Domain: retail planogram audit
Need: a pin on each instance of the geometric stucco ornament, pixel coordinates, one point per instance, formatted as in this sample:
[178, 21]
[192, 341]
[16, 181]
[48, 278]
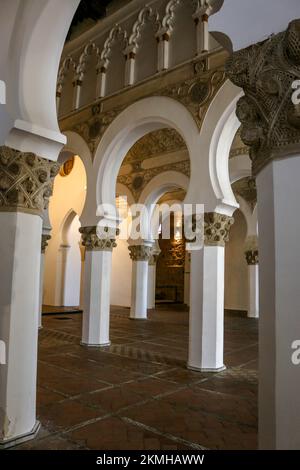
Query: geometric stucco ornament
[26, 181]
[266, 72]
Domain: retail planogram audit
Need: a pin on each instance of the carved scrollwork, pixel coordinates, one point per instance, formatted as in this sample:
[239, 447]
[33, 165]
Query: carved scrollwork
[44, 242]
[217, 228]
[26, 181]
[140, 252]
[266, 71]
[93, 240]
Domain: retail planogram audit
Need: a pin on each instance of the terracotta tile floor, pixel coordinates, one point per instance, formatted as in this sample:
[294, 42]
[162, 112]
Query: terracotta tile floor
[137, 393]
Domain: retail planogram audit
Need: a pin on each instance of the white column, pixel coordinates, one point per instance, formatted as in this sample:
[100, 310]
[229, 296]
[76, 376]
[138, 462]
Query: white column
[76, 96]
[151, 285]
[202, 34]
[130, 54]
[187, 269]
[42, 269]
[206, 322]
[20, 254]
[140, 255]
[253, 291]
[45, 238]
[101, 81]
[82, 252]
[279, 324]
[97, 281]
[163, 46]
[19, 304]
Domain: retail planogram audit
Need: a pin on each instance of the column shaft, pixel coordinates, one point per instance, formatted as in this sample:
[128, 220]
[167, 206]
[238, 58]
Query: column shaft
[26, 182]
[151, 285]
[20, 252]
[97, 278]
[279, 325]
[206, 339]
[139, 289]
[253, 291]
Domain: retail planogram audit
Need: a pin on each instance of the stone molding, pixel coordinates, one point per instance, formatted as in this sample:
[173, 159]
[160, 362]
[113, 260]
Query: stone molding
[266, 72]
[92, 242]
[216, 228]
[44, 243]
[140, 252]
[26, 181]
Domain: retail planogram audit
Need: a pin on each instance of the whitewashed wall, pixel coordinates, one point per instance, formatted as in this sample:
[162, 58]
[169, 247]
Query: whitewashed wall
[67, 202]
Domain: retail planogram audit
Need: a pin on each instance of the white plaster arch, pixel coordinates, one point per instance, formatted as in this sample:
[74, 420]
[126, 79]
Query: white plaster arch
[134, 122]
[155, 189]
[123, 190]
[76, 145]
[32, 39]
[217, 133]
[161, 184]
[65, 226]
[68, 262]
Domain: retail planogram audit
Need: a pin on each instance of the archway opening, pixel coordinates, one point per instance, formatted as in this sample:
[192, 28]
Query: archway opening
[154, 171]
[63, 275]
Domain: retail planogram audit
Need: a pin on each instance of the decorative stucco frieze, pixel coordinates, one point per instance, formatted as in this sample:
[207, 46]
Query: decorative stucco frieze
[26, 181]
[94, 240]
[216, 228]
[266, 72]
[140, 252]
[195, 94]
[44, 242]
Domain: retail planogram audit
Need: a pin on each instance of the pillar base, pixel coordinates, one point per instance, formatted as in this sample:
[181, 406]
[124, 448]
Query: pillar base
[15, 441]
[200, 369]
[86, 345]
[250, 315]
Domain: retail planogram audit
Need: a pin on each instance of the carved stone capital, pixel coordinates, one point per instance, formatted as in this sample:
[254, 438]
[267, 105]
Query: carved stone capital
[44, 243]
[216, 228]
[153, 259]
[251, 250]
[266, 72]
[92, 242]
[251, 257]
[140, 252]
[26, 181]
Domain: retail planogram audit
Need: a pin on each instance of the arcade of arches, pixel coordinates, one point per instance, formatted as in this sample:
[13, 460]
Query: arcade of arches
[116, 343]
